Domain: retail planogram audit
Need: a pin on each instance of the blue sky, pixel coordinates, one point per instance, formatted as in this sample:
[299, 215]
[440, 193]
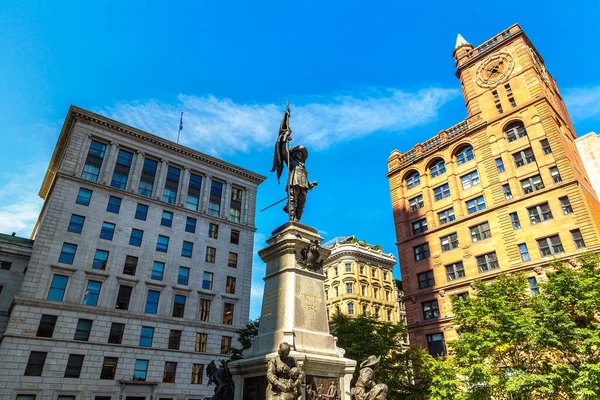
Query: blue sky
[363, 79]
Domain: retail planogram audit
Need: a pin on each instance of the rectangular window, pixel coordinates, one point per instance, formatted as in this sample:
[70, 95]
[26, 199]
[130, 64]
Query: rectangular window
[123, 297]
[507, 192]
[438, 168]
[171, 185]
[213, 231]
[58, 287]
[533, 287]
[204, 310]
[167, 219]
[67, 254]
[508, 88]
[523, 157]
[207, 280]
[545, 146]
[152, 302]
[234, 238]
[449, 242]
[84, 197]
[230, 285]
[214, 203]
[116, 333]
[5, 265]
[146, 336]
[475, 205]
[499, 165]
[539, 213]
[136, 237]
[109, 367]
[108, 230]
[480, 232]
[495, 94]
[201, 341]
[187, 249]
[441, 192]
[435, 345]
[455, 271]
[130, 265]
[92, 293]
[179, 306]
[350, 308]
[162, 244]
[148, 177]
[228, 314]
[499, 108]
[469, 180]
[524, 251]
[93, 161]
[192, 201]
[82, 332]
[446, 216]
[76, 223]
[35, 364]
[577, 239]
[514, 219]
[419, 226]
[426, 279]
[421, 252]
[235, 207]
[348, 267]
[100, 259]
[140, 371]
[487, 262]
[46, 327]
[566, 205]
[225, 344]
[74, 364]
[114, 205]
[190, 225]
[174, 339]
[158, 271]
[555, 175]
[170, 372]
[349, 288]
[431, 310]
[416, 203]
[197, 372]
[122, 168]
[512, 102]
[183, 277]
[211, 254]
[141, 212]
[232, 261]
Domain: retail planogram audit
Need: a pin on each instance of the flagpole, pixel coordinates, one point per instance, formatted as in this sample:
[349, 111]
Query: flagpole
[180, 127]
[287, 143]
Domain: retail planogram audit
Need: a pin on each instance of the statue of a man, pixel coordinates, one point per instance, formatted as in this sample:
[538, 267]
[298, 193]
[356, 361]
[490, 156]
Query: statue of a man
[366, 388]
[284, 376]
[298, 183]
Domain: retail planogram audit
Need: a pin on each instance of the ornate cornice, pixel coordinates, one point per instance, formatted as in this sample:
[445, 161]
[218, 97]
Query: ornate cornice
[350, 250]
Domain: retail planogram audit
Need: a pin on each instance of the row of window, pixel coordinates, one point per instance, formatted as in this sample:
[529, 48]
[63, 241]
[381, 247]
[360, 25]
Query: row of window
[333, 271]
[92, 293]
[73, 397]
[121, 175]
[364, 289]
[365, 311]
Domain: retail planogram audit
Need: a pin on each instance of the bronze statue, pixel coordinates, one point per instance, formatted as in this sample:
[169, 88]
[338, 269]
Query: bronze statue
[284, 376]
[295, 158]
[223, 380]
[332, 392]
[365, 387]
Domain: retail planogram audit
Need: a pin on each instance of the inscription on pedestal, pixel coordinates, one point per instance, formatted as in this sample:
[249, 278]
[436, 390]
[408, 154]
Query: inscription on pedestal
[272, 300]
[255, 388]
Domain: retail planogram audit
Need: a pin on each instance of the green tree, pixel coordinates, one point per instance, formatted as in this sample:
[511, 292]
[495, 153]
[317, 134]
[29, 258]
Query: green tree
[245, 337]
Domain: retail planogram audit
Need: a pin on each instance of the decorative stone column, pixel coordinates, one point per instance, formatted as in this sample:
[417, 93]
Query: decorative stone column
[109, 166]
[183, 187]
[86, 142]
[225, 200]
[205, 193]
[138, 164]
[160, 183]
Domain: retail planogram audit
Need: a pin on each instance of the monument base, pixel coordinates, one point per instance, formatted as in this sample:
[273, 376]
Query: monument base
[294, 310]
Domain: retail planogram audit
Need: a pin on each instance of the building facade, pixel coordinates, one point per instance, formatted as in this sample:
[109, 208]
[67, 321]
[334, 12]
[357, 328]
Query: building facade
[589, 149]
[14, 256]
[503, 190]
[359, 280]
[140, 272]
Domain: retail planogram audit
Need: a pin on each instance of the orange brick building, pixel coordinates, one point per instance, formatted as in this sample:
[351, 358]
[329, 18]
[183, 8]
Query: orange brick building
[505, 189]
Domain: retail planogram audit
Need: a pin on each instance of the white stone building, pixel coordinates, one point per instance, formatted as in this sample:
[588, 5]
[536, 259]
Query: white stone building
[588, 146]
[140, 272]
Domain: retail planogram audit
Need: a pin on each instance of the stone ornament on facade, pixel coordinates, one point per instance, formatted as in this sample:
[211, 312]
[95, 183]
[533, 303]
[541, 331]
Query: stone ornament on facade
[310, 257]
[494, 70]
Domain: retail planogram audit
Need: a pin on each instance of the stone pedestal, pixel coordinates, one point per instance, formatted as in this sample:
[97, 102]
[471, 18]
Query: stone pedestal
[294, 310]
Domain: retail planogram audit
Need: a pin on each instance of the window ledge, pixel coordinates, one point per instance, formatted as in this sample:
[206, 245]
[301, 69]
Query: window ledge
[127, 279]
[97, 273]
[156, 284]
[206, 292]
[63, 268]
[230, 296]
[178, 288]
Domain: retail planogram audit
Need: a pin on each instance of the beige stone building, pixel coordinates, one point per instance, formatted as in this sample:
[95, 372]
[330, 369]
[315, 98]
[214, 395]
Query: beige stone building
[589, 149]
[359, 280]
[503, 190]
[140, 272]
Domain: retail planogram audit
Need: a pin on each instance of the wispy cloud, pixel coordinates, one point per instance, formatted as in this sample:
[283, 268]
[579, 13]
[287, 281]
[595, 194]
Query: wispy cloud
[583, 103]
[321, 121]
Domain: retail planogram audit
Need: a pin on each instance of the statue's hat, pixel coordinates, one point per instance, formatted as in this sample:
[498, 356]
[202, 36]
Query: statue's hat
[301, 149]
[370, 362]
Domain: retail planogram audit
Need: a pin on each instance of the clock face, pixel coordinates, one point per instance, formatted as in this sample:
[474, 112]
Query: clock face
[494, 69]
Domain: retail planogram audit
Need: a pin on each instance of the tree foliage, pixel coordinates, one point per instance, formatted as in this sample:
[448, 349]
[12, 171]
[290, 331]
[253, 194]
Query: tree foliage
[245, 337]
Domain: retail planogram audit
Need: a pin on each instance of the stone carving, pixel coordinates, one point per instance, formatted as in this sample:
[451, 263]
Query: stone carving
[538, 270]
[284, 376]
[442, 293]
[310, 257]
[221, 377]
[365, 387]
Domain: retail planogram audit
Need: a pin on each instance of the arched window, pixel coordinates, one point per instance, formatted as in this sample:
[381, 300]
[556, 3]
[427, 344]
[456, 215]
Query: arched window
[465, 155]
[515, 131]
[413, 180]
[438, 168]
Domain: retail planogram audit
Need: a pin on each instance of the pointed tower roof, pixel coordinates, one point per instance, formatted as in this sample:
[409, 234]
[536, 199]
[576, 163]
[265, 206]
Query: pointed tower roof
[460, 41]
